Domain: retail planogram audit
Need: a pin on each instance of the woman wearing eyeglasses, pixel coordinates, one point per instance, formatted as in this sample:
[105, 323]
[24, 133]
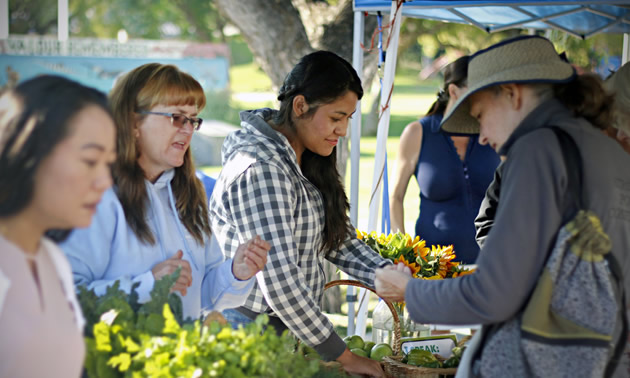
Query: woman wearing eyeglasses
[155, 219]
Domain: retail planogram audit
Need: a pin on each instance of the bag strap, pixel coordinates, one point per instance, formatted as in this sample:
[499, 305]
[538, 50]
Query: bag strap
[573, 163]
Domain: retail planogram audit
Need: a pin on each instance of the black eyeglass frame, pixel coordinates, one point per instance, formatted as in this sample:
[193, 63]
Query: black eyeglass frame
[195, 122]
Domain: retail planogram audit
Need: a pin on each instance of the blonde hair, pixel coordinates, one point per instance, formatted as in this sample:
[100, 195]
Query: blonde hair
[619, 85]
[141, 89]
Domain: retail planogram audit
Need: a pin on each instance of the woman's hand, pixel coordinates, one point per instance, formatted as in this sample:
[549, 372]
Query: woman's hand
[250, 258]
[354, 364]
[391, 282]
[169, 266]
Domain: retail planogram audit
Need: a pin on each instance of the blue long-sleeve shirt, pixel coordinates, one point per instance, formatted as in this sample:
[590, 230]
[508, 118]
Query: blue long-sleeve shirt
[108, 250]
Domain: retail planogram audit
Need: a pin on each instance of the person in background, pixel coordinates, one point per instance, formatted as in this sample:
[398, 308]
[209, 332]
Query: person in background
[207, 181]
[57, 141]
[517, 89]
[280, 180]
[619, 85]
[155, 219]
[453, 172]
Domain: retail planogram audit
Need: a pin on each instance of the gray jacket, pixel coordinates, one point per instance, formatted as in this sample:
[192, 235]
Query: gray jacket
[529, 214]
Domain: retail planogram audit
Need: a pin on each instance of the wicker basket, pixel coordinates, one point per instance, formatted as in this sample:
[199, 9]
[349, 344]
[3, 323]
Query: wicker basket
[392, 365]
[394, 368]
[397, 333]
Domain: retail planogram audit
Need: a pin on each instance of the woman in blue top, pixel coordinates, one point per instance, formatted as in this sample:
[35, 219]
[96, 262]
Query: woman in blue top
[453, 173]
[155, 219]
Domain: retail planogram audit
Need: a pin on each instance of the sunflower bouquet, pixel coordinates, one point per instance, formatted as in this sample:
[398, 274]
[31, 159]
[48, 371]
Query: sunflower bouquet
[433, 263]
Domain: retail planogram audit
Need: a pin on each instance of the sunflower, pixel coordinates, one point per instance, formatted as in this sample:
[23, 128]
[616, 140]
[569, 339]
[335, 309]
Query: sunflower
[360, 235]
[436, 277]
[462, 273]
[412, 266]
[445, 255]
[420, 248]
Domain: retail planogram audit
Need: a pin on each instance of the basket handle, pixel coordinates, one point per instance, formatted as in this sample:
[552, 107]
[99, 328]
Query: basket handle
[397, 333]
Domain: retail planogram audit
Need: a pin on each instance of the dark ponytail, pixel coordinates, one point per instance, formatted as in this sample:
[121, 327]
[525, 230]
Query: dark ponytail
[587, 98]
[321, 77]
[454, 73]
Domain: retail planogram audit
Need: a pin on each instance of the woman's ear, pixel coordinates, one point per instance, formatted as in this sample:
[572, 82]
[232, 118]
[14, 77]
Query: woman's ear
[454, 92]
[136, 126]
[300, 107]
[514, 94]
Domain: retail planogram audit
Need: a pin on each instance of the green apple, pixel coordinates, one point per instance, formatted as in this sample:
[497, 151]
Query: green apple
[368, 347]
[359, 352]
[381, 350]
[354, 341]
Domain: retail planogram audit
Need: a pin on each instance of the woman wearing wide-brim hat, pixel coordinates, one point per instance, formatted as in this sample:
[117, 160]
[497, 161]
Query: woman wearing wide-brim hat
[518, 89]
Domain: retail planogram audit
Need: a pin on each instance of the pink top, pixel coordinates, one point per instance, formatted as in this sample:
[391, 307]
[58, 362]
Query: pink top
[39, 327]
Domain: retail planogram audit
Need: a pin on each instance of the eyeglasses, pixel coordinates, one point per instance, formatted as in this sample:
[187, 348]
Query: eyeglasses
[178, 120]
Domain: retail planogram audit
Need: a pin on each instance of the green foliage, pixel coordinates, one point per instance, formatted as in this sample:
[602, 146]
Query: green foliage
[219, 106]
[435, 38]
[196, 20]
[32, 16]
[127, 339]
[239, 51]
[393, 246]
[589, 53]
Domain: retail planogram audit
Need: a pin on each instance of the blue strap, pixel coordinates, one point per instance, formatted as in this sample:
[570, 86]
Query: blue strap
[381, 53]
[386, 222]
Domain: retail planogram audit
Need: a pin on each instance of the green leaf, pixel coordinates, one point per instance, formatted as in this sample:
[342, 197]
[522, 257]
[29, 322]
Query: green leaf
[170, 324]
[101, 336]
[121, 361]
[130, 345]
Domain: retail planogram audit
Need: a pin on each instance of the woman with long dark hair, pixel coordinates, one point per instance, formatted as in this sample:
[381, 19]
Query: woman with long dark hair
[280, 181]
[57, 142]
[155, 218]
[452, 170]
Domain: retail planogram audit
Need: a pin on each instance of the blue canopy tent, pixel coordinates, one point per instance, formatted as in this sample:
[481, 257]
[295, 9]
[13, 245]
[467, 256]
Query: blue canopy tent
[581, 19]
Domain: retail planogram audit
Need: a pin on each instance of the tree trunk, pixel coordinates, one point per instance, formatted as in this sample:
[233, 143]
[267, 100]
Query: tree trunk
[273, 31]
[370, 126]
[279, 33]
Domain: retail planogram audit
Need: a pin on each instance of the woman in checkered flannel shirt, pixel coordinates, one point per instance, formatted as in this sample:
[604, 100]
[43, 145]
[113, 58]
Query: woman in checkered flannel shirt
[280, 181]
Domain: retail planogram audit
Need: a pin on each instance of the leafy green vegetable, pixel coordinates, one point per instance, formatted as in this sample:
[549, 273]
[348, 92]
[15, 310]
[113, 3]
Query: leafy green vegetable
[127, 339]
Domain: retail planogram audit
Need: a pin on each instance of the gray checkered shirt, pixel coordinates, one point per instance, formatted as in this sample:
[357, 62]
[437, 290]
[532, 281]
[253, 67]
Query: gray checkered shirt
[261, 191]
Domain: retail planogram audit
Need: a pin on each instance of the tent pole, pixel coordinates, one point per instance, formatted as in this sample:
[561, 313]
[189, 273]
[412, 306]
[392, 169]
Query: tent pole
[4, 19]
[383, 122]
[62, 20]
[626, 48]
[381, 137]
[355, 126]
[355, 151]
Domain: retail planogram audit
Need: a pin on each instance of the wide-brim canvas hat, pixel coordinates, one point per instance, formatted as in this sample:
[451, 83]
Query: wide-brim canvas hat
[619, 85]
[525, 59]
